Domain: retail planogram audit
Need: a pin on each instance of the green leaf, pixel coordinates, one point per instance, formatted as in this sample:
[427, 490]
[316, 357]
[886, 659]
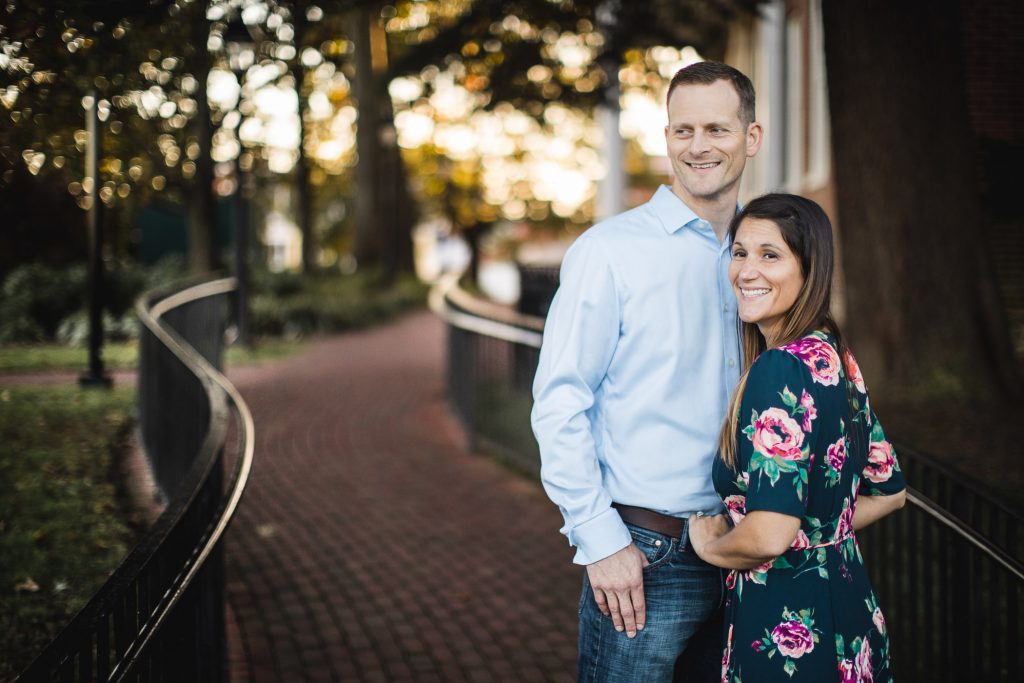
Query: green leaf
[823, 573]
[789, 667]
[788, 397]
[840, 643]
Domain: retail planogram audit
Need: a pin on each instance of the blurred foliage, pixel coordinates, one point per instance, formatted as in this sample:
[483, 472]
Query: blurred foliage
[146, 61]
[131, 54]
[292, 306]
[42, 303]
[64, 525]
[510, 49]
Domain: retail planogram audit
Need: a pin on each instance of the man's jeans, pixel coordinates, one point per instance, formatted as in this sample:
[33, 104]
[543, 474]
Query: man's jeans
[684, 597]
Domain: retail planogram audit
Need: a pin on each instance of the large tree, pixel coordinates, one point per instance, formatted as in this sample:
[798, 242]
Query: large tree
[924, 310]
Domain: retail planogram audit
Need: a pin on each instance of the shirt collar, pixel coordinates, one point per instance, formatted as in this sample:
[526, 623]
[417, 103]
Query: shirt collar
[672, 212]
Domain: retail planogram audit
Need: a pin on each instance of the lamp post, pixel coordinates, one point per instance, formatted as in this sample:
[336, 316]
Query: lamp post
[241, 51]
[94, 376]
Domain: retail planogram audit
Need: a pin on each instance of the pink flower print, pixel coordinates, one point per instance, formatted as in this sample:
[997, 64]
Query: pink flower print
[844, 527]
[777, 435]
[820, 357]
[801, 541]
[745, 477]
[853, 370]
[880, 462]
[793, 638]
[846, 672]
[737, 507]
[879, 620]
[862, 665]
[810, 412]
[837, 454]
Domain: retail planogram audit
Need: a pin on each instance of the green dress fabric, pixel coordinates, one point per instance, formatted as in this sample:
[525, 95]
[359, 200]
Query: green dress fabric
[806, 449]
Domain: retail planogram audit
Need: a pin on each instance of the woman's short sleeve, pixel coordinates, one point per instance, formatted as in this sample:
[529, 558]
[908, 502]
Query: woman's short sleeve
[775, 437]
[882, 475]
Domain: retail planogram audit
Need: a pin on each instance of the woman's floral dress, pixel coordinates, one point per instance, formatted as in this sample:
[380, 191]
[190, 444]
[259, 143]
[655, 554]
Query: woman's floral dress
[809, 614]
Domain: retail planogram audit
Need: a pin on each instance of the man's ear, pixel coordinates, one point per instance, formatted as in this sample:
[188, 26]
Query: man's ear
[755, 136]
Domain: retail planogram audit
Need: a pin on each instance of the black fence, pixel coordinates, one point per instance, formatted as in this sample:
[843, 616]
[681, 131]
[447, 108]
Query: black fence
[947, 569]
[160, 616]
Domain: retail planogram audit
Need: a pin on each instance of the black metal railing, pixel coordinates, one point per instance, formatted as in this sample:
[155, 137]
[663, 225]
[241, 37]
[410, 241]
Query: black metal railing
[947, 569]
[160, 616]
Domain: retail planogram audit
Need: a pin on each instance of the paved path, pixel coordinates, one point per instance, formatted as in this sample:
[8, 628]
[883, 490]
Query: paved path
[372, 546]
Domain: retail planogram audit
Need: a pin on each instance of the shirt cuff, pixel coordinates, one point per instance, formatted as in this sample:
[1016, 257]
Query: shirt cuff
[600, 537]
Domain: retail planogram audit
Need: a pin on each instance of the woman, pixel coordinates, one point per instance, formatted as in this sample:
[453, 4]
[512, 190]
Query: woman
[804, 463]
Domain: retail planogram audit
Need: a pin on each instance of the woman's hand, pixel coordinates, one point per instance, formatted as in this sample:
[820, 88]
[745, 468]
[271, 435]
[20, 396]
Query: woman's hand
[703, 529]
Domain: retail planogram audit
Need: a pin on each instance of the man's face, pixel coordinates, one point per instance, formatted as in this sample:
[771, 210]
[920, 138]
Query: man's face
[708, 145]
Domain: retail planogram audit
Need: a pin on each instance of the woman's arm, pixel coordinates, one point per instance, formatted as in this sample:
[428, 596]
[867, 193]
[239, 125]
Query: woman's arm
[759, 537]
[870, 509]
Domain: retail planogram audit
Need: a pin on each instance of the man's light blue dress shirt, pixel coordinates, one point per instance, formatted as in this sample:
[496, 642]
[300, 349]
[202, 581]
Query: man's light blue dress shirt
[640, 354]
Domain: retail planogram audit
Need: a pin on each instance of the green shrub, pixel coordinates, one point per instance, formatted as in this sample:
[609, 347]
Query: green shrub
[74, 329]
[294, 307]
[39, 303]
[36, 298]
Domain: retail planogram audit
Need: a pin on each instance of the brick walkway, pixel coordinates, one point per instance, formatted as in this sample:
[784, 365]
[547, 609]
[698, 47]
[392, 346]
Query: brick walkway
[372, 546]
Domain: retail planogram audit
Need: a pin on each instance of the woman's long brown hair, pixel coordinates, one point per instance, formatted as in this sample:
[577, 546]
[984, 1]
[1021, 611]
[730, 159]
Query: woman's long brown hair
[808, 234]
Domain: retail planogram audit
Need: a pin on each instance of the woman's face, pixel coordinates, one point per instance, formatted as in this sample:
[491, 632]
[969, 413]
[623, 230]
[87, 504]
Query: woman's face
[765, 275]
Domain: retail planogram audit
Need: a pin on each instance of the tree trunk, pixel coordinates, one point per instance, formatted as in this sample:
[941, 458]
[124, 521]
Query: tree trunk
[304, 210]
[202, 213]
[924, 316]
[367, 249]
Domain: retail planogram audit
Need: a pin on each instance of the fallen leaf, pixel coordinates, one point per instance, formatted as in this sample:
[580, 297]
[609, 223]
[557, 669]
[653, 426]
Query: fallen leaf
[27, 585]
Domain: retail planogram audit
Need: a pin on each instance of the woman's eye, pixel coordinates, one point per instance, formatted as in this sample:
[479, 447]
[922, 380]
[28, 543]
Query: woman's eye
[738, 254]
[769, 256]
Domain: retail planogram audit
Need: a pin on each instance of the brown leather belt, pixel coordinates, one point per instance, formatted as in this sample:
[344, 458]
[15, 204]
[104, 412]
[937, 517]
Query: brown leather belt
[651, 520]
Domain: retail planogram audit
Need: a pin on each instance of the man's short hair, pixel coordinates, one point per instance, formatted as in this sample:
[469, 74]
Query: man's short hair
[706, 73]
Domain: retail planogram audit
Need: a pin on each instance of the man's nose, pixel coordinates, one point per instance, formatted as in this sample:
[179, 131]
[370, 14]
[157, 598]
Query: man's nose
[700, 142]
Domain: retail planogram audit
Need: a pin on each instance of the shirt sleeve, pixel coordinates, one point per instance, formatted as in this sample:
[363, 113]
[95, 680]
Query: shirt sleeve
[775, 439]
[580, 338]
[882, 475]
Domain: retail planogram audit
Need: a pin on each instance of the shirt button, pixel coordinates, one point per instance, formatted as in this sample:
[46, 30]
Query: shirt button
[726, 307]
[732, 363]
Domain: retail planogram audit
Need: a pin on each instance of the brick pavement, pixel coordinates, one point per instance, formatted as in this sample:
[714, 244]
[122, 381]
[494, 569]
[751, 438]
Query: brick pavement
[371, 545]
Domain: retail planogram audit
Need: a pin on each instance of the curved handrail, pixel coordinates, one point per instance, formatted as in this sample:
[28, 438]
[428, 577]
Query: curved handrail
[461, 309]
[221, 394]
[247, 430]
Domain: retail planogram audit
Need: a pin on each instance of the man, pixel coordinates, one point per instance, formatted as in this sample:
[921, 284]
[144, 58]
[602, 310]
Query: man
[640, 354]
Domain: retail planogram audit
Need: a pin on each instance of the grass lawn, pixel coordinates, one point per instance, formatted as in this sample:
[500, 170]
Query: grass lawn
[124, 355]
[64, 524]
[46, 357]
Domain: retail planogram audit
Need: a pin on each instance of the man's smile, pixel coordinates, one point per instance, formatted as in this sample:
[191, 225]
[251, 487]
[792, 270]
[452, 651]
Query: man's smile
[704, 165]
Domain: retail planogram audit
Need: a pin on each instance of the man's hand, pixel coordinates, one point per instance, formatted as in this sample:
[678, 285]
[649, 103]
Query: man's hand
[618, 584]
